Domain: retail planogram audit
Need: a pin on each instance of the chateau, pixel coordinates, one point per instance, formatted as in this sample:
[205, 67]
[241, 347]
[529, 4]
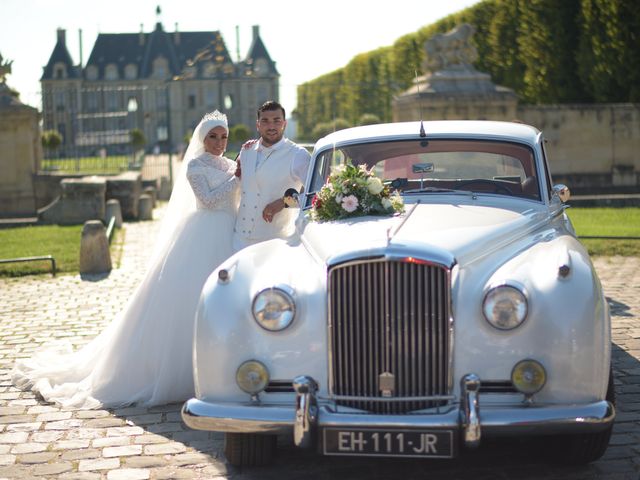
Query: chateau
[159, 82]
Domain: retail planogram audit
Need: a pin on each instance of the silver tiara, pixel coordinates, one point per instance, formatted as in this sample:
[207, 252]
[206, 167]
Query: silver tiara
[215, 115]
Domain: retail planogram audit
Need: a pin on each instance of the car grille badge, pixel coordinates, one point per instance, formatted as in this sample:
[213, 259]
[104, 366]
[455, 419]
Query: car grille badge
[386, 384]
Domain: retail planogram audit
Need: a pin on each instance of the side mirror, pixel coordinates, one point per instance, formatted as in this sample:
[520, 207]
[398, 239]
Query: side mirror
[563, 192]
[291, 198]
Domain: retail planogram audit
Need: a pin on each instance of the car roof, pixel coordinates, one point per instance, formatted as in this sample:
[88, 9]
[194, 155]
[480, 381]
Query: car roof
[475, 129]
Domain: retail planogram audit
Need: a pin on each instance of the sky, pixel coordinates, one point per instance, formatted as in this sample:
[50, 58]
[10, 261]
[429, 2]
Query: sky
[305, 39]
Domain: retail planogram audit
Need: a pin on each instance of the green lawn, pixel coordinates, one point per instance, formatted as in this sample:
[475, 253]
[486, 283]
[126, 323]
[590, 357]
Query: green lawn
[62, 242]
[607, 222]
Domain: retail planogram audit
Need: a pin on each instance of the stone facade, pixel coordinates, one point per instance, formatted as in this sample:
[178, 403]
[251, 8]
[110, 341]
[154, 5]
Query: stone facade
[20, 155]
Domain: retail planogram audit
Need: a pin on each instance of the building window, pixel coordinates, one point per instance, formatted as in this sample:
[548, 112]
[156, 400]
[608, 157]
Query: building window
[112, 100]
[209, 70]
[160, 68]
[92, 72]
[130, 71]
[191, 101]
[111, 72]
[59, 71]
[59, 100]
[92, 101]
[210, 98]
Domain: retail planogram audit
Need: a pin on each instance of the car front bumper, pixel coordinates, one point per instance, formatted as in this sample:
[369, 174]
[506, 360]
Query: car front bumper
[307, 417]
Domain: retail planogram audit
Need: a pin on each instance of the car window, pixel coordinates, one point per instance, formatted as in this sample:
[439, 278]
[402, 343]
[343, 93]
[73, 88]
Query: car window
[413, 166]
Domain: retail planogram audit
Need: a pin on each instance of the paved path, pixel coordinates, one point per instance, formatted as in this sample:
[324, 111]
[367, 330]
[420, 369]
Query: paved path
[44, 441]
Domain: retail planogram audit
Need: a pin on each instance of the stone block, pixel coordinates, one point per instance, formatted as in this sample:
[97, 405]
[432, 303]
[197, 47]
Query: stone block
[94, 248]
[145, 207]
[81, 199]
[126, 188]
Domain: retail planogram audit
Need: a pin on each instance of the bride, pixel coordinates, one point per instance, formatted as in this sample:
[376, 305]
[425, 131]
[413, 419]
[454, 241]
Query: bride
[144, 356]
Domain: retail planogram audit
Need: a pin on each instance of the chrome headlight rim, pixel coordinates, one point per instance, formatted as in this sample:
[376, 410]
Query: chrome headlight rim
[506, 288]
[285, 292]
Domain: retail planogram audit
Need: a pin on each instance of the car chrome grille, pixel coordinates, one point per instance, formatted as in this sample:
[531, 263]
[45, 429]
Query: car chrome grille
[389, 333]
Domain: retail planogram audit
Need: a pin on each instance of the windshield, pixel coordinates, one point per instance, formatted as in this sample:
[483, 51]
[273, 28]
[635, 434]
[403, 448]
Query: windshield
[419, 166]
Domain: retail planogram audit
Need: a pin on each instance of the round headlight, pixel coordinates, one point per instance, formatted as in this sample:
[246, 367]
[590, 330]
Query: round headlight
[274, 309]
[505, 307]
[528, 376]
[252, 377]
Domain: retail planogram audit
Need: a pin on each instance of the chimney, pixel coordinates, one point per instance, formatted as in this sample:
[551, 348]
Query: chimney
[80, 45]
[256, 32]
[62, 36]
[176, 36]
[141, 36]
[237, 43]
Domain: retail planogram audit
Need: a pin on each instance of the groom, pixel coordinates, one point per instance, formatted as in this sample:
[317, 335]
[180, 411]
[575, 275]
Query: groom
[267, 169]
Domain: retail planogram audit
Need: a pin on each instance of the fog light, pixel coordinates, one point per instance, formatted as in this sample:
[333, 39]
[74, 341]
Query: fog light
[528, 376]
[252, 377]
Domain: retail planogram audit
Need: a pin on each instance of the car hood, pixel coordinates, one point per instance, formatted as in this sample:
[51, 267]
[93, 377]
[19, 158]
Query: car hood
[464, 231]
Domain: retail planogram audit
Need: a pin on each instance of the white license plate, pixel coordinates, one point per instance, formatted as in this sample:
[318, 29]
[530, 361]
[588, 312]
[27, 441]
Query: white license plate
[388, 443]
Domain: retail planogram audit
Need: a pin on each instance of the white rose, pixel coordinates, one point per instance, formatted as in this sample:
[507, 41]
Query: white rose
[339, 198]
[386, 203]
[374, 185]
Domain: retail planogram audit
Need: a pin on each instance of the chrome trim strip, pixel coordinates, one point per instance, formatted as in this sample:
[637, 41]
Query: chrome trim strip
[494, 421]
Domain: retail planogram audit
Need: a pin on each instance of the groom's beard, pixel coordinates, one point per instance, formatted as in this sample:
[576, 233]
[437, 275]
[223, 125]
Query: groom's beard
[273, 137]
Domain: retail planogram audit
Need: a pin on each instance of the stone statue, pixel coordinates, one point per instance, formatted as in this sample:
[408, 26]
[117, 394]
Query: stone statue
[451, 49]
[5, 69]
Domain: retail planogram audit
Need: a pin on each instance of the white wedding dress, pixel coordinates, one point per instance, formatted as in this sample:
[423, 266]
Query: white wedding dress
[144, 356]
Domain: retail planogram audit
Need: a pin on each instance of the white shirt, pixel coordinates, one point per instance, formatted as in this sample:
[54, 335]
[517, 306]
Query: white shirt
[299, 166]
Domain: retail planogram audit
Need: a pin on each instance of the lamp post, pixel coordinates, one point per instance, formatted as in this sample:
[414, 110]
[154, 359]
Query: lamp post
[132, 108]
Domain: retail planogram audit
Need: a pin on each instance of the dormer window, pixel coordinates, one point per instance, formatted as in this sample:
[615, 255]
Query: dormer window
[130, 71]
[160, 68]
[261, 67]
[209, 70]
[111, 72]
[59, 71]
[92, 72]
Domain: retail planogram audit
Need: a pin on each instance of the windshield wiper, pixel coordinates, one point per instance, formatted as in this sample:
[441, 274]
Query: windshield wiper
[436, 190]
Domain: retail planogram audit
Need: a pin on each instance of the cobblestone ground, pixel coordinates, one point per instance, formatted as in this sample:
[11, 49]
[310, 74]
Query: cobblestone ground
[38, 440]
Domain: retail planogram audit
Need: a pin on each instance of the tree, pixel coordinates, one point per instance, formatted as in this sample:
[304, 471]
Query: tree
[239, 133]
[368, 119]
[325, 128]
[137, 138]
[51, 140]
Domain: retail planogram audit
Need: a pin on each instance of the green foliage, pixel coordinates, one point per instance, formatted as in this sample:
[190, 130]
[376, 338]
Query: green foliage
[239, 133]
[325, 128]
[137, 138]
[368, 119]
[51, 139]
[547, 51]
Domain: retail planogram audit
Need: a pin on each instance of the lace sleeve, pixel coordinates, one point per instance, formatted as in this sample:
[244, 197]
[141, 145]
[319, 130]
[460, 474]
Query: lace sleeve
[211, 188]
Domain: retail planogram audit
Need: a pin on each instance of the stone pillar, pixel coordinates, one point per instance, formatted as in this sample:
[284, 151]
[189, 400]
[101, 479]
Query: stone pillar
[145, 207]
[20, 155]
[94, 248]
[151, 191]
[112, 209]
[165, 189]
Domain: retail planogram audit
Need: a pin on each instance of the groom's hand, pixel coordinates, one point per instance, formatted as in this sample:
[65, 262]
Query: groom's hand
[272, 209]
[238, 172]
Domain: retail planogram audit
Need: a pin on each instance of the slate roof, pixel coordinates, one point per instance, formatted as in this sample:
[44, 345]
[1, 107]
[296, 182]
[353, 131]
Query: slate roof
[258, 50]
[60, 54]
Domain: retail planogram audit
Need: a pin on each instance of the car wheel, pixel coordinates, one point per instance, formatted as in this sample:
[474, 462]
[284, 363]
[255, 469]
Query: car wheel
[587, 447]
[249, 449]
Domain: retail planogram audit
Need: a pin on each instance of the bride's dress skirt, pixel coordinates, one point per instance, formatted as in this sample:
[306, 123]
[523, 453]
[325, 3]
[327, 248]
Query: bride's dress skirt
[144, 356]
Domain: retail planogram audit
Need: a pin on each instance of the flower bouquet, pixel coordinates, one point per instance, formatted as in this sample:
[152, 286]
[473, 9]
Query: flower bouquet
[353, 192]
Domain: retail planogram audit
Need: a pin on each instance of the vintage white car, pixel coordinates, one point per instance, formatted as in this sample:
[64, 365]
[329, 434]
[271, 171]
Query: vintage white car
[473, 313]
